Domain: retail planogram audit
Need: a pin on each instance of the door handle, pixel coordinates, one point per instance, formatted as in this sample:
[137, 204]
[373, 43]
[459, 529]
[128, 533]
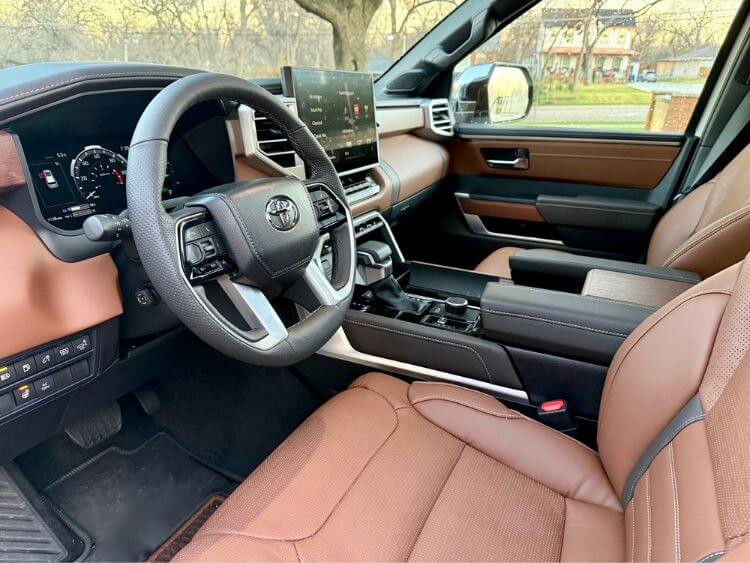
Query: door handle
[520, 163]
[520, 160]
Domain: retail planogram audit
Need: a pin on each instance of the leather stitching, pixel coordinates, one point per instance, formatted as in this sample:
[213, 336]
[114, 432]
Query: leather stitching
[648, 515]
[509, 415]
[644, 471]
[632, 537]
[557, 322]
[428, 338]
[50, 87]
[711, 556]
[677, 253]
[677, 550]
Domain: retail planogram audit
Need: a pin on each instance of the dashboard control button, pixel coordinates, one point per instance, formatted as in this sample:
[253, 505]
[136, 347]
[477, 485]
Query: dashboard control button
[63, 378]
[24, 394]
[7, 374]
[81, 345]
[45, 359]
[7, 403]
[25, 367]
[80, 370]
[44, 385]
[145, 297]
[64, 352]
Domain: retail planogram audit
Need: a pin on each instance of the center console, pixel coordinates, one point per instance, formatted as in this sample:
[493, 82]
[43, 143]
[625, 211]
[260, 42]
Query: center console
[550, 334]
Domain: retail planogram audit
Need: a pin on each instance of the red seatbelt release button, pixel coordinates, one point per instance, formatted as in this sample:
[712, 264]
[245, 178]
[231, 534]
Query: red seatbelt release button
[553, 406]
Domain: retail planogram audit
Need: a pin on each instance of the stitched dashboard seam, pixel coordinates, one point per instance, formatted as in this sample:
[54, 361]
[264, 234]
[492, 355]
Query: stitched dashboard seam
[561, 323]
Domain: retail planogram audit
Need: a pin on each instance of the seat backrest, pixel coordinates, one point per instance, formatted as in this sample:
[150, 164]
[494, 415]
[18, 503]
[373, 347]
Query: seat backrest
[674, 429]
[708, 230]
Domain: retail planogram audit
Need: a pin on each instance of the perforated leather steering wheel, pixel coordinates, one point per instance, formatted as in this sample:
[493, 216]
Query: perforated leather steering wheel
[221, 260]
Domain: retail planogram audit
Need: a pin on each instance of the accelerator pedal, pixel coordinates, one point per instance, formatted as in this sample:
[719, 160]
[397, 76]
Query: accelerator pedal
[148, 399]
[97, 427]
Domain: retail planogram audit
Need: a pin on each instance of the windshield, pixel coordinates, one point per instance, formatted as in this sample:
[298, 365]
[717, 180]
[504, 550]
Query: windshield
[249, 38]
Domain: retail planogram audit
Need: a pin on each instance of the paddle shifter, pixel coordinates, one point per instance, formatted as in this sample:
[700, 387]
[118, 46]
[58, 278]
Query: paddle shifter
[375, 266]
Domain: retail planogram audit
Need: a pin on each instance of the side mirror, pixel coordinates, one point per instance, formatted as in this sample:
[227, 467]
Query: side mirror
[492, 93]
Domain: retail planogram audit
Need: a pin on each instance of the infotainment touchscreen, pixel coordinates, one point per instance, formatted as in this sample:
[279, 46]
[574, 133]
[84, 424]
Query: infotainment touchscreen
[339, 108]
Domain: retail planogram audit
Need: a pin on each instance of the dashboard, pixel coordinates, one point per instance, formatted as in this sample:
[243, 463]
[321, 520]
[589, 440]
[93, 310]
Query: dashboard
[77, 155]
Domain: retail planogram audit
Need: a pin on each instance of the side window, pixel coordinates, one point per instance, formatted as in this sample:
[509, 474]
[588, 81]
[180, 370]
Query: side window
[627, 65]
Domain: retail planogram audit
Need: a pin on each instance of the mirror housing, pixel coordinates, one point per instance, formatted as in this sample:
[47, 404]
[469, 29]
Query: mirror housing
[492, 93]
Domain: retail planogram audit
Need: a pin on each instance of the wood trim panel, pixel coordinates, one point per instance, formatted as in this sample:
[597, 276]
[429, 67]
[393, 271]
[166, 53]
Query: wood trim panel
[44, 298]
[625, 165]
[641, 290]
[501, 209]
[11, 168]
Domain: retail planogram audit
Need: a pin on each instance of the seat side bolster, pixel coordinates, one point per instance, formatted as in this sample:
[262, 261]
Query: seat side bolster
[498, 262]
[549, 457]
[714, 247]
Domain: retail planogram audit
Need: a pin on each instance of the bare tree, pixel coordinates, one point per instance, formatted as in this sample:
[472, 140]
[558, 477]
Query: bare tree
[350, 20]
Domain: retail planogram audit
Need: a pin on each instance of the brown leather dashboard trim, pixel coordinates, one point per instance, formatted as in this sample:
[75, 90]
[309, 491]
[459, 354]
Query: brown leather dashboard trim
[11, 168]
[626, 165]
[501, 209]
[417, 162]
[43, 298]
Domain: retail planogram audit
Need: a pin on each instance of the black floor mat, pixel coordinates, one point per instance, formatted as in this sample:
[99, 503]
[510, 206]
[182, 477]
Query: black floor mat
[130, 502]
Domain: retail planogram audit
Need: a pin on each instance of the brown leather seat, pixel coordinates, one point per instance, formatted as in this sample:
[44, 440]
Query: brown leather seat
[430, 471]
[706, 232]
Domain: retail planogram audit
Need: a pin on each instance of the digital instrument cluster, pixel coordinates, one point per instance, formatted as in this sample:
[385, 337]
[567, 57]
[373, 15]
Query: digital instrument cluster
[74, 182]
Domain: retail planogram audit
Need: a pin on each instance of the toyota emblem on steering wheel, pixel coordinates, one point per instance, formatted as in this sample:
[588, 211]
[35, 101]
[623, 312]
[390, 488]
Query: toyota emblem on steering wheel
[282, 213]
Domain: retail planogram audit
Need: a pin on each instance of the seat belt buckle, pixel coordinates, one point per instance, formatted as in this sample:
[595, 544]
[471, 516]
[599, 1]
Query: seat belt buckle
[555, 413]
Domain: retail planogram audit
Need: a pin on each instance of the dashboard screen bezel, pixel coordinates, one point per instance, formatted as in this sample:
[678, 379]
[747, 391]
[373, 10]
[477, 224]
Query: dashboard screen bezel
[287, 88]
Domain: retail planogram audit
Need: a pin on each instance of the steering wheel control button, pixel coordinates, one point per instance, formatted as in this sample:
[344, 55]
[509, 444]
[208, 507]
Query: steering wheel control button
[26, 367]
[81, 345]
[44, 385]
[45, 359]
[193, 254]
[282, 213]
[7, 374]
[199, 231]
[64, 352]
[24, 394]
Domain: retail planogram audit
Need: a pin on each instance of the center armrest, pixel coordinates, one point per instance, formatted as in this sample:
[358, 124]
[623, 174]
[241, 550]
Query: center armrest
[556, 322]
[528, 265]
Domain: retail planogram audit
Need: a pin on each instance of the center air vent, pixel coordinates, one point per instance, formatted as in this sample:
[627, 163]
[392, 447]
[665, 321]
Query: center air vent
[266, 145]
[273, 143]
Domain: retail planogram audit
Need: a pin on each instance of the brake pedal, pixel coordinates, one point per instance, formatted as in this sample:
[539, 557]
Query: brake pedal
[97, 427]
[148, 399]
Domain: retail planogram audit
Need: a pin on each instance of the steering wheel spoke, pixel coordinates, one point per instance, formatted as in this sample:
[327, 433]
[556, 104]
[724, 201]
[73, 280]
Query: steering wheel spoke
[220, 260]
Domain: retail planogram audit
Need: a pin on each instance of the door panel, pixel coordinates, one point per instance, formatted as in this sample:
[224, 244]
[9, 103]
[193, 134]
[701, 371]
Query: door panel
[640, 165]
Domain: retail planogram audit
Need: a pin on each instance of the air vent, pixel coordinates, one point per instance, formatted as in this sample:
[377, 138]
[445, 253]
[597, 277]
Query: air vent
[441, 118]
[266, 145]
[273, 143]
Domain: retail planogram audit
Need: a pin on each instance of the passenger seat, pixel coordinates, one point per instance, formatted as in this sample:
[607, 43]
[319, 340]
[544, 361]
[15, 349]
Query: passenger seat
[706, 232]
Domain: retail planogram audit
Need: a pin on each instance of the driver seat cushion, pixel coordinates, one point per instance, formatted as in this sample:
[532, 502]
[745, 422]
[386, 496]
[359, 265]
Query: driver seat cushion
[388, 470]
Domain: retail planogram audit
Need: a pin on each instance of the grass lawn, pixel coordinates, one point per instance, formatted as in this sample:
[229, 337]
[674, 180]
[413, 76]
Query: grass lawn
[601, 125]
[594, 95]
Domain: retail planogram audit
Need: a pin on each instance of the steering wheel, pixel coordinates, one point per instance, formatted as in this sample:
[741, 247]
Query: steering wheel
[221, 260]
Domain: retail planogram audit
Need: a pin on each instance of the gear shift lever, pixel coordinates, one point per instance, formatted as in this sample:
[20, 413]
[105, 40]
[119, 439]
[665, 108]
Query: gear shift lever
[374, 257]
